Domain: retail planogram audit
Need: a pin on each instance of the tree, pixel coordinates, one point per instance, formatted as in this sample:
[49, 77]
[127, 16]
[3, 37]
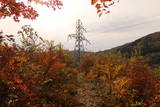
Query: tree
[19, 8]
[36, 72]
[138, 87]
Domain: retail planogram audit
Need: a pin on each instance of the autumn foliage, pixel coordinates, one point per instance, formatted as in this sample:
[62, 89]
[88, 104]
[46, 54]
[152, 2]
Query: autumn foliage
[102, 6]
[38, 73]
[24, 8]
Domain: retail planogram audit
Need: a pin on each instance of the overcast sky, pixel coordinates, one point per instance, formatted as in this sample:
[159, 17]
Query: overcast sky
[128, 20]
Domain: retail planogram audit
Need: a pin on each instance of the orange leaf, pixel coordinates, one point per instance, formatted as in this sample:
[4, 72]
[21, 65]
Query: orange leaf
[94, 1]
[17, 80]
[91, 76]
[74, 70]
[98, 6]
[103, 1]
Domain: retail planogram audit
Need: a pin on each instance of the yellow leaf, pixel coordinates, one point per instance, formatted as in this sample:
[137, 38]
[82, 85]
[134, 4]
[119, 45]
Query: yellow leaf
[103, 78]
[65, 91]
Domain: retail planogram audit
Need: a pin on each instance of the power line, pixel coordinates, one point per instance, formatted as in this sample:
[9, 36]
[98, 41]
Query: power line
[121, 27]
[134, 25]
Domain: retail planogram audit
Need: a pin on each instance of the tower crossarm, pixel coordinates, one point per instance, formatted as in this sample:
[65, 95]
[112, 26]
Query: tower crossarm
[79, 38]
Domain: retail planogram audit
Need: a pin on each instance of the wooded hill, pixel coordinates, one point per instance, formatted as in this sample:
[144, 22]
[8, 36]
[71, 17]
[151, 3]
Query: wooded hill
[148, 46]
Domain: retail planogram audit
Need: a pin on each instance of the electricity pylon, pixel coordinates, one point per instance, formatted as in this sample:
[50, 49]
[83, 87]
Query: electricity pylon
[79, 39]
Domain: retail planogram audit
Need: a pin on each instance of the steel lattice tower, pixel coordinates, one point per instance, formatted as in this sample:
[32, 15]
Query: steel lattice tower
[79, 39]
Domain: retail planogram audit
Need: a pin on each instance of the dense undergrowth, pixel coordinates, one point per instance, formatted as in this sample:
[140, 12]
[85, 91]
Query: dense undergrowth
[38, 73]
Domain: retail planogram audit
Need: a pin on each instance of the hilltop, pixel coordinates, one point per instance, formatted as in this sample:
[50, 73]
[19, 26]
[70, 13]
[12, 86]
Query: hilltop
[148, 46]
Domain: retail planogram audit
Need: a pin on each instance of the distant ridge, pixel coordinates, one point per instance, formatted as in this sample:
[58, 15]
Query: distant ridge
[148, 46]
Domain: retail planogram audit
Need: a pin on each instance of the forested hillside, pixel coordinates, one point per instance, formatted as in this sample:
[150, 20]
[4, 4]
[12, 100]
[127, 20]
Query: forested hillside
[38, 73]
[148, 46]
